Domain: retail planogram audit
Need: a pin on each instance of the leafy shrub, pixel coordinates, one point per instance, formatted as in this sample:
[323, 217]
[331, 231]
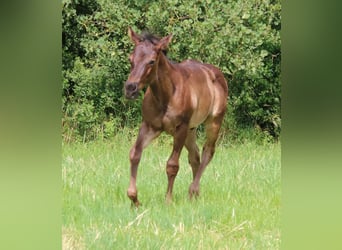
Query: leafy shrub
[240, 37]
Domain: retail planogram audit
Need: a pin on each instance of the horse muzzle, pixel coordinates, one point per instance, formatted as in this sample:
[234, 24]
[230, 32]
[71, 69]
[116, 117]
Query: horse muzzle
[131, 90]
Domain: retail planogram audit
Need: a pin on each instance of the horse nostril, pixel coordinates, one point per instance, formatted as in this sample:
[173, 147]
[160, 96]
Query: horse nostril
[131, 87]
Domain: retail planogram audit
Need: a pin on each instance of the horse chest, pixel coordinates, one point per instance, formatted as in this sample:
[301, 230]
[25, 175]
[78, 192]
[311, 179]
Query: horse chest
[170, 121]
[166, 121]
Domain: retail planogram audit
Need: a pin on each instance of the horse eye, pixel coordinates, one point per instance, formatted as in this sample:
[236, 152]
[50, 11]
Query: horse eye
[151, 62]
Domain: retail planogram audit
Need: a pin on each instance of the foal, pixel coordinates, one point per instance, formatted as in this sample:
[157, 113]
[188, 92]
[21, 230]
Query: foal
[179, 97]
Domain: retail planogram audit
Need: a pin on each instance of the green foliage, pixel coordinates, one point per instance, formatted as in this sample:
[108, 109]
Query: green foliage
[240, 37]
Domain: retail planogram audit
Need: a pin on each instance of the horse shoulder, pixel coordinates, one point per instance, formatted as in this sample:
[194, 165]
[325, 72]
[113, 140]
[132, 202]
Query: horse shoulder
[152, 113]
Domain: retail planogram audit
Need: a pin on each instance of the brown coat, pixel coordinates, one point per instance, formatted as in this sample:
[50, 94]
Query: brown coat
[179, 97]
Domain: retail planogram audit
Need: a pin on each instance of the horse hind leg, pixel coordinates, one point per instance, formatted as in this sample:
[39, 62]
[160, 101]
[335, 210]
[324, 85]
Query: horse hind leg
[212, 132]
[193, 150]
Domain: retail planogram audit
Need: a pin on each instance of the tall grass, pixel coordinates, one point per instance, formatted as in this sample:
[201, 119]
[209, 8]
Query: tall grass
[238, 207]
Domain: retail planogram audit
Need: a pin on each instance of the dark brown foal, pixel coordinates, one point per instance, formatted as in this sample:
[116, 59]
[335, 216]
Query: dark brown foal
[178, 98]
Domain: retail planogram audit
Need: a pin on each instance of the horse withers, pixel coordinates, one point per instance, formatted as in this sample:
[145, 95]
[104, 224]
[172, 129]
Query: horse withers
[179, 97]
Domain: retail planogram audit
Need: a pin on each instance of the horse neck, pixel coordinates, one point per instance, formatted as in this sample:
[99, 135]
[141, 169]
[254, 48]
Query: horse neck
[162, 87]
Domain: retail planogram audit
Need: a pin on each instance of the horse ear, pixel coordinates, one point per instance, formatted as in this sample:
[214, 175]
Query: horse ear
[164, 42]
[133, 36]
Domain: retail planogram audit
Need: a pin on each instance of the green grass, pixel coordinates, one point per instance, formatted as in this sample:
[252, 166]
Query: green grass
[238, 207]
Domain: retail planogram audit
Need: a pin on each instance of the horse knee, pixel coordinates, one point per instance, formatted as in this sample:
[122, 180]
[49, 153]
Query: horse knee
[172, 168]
[194, 156]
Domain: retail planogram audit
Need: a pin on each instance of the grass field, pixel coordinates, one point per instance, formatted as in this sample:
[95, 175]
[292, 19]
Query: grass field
[238, 207]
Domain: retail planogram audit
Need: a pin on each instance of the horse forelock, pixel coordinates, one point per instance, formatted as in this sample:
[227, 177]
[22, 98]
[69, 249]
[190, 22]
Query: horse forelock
[148, 36]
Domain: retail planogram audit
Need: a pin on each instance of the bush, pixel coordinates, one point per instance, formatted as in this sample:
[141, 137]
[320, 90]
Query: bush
[240, 37]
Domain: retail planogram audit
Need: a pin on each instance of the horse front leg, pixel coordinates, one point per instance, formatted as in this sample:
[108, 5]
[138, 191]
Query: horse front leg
[146, 135]
[172, 165]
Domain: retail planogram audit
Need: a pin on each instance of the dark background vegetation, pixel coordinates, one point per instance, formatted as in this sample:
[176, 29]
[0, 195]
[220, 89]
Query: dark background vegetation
[241, 37]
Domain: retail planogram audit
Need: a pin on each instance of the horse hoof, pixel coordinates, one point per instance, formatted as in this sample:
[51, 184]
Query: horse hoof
[133, 196]
[135, 204]
[193, 192]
